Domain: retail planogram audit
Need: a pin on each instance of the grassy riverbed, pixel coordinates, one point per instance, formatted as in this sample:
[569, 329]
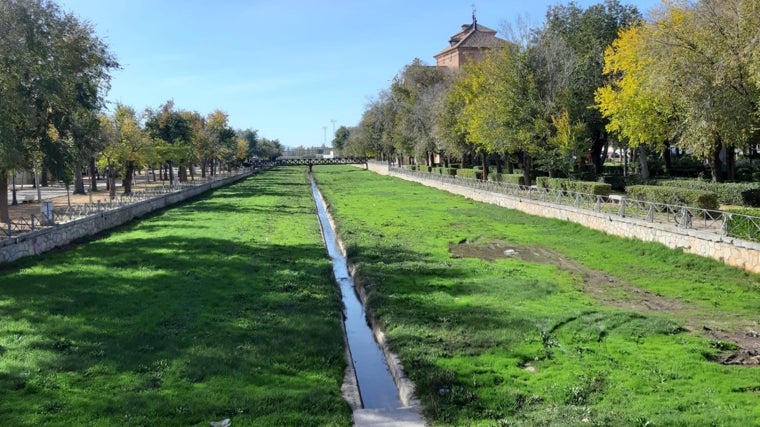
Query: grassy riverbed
[221, 308]
[506, 319]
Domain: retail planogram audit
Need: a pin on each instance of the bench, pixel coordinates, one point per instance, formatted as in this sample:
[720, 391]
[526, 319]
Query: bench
[617, 198]
[28, 198]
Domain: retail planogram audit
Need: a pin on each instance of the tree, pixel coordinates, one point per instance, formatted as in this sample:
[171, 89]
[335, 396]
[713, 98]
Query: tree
[587, 33]
[632, 102]
[340, 138]
[689, 70]
[418, 93]
[53, 71]
[173, 127]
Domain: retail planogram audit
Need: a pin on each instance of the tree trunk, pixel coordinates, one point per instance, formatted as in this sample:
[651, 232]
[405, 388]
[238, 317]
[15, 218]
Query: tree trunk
[44, 176]
[527, 165]
[203, 168]
[111, 182]
[93, 175]
[182, 174]
[129, 174]
[78, 180]
[716, 164]
[4, 213]
[484, 158]
[666, 156]
[171, 172]
[730, 164]
[596, 154]
[643, 162]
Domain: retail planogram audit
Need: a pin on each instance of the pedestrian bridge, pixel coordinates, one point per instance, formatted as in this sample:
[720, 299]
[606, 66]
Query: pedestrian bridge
[303, 161]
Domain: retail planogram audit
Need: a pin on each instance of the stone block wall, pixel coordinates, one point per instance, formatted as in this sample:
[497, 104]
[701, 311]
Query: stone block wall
[735, 252]
[37, 242]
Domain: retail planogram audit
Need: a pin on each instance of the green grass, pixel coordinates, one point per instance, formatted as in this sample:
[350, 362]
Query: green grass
[223, 307]
[515, 342]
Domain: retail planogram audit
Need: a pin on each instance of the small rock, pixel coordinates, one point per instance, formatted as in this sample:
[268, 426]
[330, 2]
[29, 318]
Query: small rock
[510, 252]
[222, 423]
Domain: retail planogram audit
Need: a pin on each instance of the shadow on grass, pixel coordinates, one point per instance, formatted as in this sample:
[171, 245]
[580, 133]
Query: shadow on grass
[173, 330]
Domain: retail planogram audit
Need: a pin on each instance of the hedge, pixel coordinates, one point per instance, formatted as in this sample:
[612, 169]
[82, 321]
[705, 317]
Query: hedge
[509, 178]
[469, 173]
[674, 196]
[571, 185]
[728, 193]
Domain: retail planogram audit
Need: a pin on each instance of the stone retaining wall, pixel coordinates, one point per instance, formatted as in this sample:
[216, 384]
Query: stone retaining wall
[735, 252]
[37, 242]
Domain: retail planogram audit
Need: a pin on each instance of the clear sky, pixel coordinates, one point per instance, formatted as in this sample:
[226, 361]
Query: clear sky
[287, 68]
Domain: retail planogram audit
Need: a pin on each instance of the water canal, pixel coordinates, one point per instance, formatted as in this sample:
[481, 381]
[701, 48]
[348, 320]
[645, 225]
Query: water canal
[376, 385]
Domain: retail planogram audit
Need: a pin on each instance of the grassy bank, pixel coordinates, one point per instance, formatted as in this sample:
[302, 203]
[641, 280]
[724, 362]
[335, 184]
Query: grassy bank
[221, 308]
[506, 319]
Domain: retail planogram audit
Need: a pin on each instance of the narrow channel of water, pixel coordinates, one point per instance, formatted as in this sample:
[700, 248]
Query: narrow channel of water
[376, 385]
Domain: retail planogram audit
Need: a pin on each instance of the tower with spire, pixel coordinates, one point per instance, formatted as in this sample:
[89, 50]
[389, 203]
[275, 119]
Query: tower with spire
[469, 44]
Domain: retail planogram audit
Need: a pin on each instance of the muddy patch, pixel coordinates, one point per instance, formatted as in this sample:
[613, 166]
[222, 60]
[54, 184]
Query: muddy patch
[613, 291]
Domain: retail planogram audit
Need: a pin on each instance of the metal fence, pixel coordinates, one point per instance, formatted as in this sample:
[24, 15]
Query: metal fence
[677, 217]
[19, 226]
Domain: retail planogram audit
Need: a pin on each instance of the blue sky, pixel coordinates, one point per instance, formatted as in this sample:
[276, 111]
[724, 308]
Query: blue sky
[287, 68]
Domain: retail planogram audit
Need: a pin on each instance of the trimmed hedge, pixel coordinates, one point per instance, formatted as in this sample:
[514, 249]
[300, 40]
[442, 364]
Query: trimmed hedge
[674, 196]
[509, 178]
[469, 173]
[728, 193]
[574, 186]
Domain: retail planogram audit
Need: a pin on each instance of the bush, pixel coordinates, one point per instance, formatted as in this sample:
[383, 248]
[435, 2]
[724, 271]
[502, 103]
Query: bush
[574, 186]
[509, 178]
[673, 196]
[751, 197]
[469, 173]
[449, 171]
[728, 193]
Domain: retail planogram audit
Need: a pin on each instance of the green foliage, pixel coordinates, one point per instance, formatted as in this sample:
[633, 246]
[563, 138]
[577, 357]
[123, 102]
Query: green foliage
[513, 178]
[574, 186]
[469, 173]
[744, 224]
[674, 196]
[728, 193]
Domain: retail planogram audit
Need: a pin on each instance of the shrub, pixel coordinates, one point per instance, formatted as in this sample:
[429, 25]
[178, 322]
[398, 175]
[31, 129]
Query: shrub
[509, 178]
[564, 184]
[728, 193]
[673, 196]
[469, 173]
[449, 171]
[751, 197]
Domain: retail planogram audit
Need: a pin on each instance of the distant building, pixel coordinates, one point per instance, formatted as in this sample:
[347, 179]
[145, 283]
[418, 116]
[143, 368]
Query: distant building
[470, 44]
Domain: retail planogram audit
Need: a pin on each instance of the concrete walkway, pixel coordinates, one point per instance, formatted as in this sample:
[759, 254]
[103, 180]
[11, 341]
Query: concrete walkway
[401, 417]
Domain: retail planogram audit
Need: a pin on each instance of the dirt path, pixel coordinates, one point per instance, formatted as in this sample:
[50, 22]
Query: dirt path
[613, 291]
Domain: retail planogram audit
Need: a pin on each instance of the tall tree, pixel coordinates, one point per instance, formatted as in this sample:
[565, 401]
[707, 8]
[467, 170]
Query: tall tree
[52, 68]
[588, 32]
[171, 126]
[340, 138]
